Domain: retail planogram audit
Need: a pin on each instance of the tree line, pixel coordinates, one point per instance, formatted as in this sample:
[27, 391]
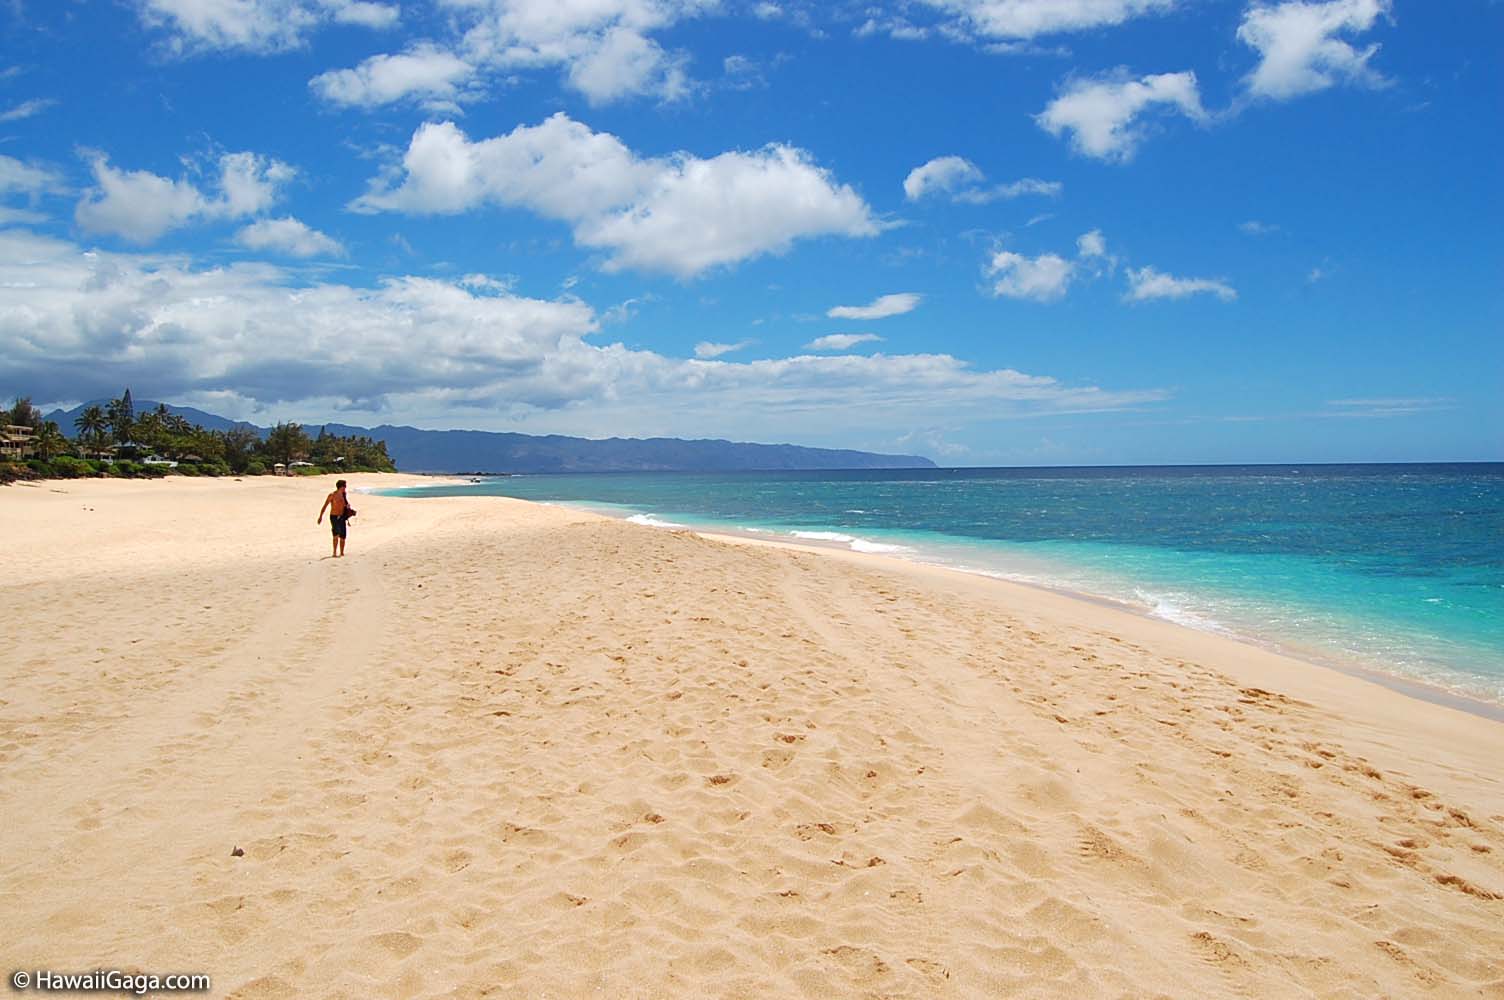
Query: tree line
[113, 439]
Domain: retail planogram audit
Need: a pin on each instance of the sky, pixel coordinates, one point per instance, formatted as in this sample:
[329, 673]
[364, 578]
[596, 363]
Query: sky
[991, 232]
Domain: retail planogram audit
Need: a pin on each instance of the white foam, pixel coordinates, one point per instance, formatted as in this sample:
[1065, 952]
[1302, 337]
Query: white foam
[824, 536]
[852, 542]
[862, 545]
[653, 522]
[1164, 606]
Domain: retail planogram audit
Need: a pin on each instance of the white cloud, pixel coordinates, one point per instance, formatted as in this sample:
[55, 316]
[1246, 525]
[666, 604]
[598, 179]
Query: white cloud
[1011, 190]
[17, 177]
[1146, 283]
[709, 349]
[28, 181]
[1254, 227]
[138, 204]
[1024, 19]
[255, 25]
[1092, 244]
[289, 236]
[1009, 26]
[248, 184]
[1298, 49]
[364, 13]
[880, 308]
[1043, 279]
[27, 109]
[603, 46]
[141, 206]
[424, 71]
[943, 173]
[679, 214]
[9, 215]
[1387, 406]
[900, 28]
[961, 179]
[605, 50]
[81, 324]
[841, 341]
[1100, 114]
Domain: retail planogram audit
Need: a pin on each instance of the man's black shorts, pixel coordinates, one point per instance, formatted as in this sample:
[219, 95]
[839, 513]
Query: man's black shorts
[337, 525]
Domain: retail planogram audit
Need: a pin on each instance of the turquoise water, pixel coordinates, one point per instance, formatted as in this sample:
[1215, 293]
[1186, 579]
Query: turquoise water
[1394, 568]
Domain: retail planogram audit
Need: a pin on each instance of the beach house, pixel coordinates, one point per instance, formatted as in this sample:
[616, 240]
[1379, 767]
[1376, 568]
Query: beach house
[16, 441]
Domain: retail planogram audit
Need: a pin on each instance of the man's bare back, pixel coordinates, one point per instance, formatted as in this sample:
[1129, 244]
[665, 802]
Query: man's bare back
[338, 506]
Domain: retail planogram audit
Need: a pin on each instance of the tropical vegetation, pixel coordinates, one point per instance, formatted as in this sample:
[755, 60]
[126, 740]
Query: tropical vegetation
[112, 439]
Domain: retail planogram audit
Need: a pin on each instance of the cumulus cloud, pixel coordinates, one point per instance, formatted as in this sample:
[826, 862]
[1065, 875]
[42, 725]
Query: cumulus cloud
[1047, 277]
[962, 180]
[943, 173]
[141, 206]
[260, 26]
[1146, 283]
[1014, 20]
[365, 13]
[880, 308]
[840, 341]
[1101, 114]
[1299, 51]
[710, 349]
[679, 214]
[424, 72]
[288, 236]
[606, 50]
[1042, 279]
[81, 324]
[1092, 244]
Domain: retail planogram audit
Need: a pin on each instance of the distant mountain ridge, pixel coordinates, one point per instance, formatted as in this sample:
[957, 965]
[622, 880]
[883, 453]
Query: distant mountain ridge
[418, 450]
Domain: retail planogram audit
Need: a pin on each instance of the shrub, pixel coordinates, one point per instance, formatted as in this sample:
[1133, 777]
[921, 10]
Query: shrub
[10, 472]
[214, 469]
[184, 469]
[255, 468]
[68, 467]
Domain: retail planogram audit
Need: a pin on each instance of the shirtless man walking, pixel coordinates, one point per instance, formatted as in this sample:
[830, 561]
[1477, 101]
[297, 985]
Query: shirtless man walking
[338, 506]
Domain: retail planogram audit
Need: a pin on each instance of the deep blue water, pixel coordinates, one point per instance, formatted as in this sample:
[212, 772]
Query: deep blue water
[1398, 568]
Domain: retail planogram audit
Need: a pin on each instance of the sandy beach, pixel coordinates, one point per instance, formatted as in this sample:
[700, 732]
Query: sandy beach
[505, 749]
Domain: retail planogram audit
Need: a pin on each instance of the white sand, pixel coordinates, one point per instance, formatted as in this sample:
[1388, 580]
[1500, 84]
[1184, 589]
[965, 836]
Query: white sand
[510, 750]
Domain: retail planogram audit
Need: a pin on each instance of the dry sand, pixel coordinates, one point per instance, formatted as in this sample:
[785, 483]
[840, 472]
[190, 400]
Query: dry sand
[509, 750]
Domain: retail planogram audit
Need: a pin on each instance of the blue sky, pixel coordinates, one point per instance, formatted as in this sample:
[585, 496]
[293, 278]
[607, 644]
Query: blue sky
[988, 231]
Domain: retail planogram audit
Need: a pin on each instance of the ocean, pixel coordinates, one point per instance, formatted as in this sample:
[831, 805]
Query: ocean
[1397, 569]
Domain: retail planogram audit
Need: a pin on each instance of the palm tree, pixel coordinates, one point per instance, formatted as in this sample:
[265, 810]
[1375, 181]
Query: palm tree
[48, 441]
[91, 425]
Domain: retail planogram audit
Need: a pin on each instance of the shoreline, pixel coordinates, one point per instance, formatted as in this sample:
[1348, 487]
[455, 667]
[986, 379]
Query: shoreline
[514, 748]
[1393, 680]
